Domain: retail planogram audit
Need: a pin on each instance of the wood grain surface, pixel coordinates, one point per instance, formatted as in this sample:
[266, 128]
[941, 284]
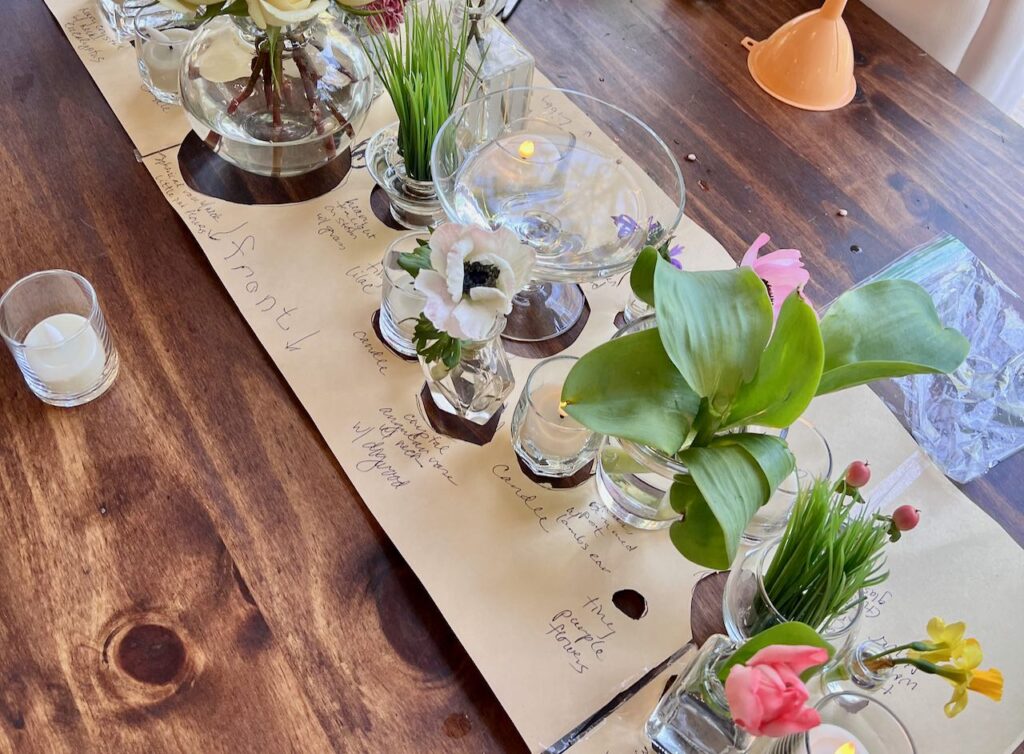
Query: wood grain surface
[183, 564]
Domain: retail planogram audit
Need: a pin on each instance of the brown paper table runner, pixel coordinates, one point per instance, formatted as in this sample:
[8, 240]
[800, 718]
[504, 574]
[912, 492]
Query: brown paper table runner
[525, 575]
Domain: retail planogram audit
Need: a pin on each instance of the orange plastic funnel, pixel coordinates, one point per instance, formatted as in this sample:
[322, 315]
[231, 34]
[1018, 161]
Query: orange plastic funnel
[808, 61]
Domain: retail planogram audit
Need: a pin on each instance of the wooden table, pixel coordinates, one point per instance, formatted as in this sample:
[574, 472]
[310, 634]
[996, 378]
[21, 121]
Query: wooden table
[198, 493]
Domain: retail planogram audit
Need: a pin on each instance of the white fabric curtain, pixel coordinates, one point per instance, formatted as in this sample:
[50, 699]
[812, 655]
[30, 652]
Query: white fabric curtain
[982, 41]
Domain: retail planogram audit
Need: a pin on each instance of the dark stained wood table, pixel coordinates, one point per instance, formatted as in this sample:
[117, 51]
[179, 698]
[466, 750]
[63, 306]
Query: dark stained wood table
[198, 495]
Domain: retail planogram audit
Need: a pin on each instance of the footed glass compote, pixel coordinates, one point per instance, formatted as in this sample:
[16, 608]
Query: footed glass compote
[559, 176]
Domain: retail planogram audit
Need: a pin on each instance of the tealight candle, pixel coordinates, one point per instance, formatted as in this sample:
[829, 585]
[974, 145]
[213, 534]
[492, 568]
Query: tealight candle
[549, 441]
[831, 739]
[162, 54]
[53, 325]
[65, 353]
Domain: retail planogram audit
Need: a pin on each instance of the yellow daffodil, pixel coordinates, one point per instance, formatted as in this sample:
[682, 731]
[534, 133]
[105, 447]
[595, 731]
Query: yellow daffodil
[986, 682]
[947, 640]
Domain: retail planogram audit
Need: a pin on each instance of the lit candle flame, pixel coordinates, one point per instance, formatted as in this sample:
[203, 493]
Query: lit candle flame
[847, 748]
[526, 149]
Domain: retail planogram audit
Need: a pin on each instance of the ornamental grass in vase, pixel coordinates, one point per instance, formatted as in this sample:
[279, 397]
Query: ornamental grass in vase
[728, 352]
[275, 87]
[422, 69]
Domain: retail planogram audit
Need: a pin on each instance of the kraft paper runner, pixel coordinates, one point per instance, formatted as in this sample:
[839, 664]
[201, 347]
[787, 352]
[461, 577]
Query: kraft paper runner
[524, 575]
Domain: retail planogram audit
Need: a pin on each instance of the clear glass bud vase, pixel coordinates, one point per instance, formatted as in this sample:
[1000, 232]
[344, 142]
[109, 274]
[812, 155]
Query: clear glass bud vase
[855, 671]
[277, 105]
[476, 388]
[693, 715]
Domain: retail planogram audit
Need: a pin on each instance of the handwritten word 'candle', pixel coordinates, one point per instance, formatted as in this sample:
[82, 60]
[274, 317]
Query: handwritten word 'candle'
[64, 353]
[831, 739]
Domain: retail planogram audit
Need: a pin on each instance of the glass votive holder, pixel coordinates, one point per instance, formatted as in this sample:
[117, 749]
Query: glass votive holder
[851, 723]
[161, 36]
[813, 461]
[53, 325]
[124, 12]
[400, 303]
[550, 442]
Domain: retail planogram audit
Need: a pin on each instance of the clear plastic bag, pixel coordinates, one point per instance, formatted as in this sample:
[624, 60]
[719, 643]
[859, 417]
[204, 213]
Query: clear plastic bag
[974, 418]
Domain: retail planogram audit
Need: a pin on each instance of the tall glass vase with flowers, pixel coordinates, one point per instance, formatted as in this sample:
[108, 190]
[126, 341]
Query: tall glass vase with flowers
[275, 87]
[724, 361]
[732, 693]
[467, 276]
[422, 70]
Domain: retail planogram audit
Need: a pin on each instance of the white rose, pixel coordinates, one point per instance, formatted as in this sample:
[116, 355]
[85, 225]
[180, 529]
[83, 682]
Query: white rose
[474, 277]
[266, 13]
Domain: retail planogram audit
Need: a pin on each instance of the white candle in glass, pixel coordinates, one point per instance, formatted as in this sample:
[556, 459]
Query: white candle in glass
[404, 301]
[162, 53]
[64, 352]
[553, 434]
[831, 739]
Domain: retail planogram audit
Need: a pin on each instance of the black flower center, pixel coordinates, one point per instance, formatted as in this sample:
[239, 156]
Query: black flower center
[479, 275]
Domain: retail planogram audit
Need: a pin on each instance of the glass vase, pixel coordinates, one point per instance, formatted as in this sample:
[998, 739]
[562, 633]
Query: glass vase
[693, 715]
[476, 388]
[748, 610]
[854, 671]
[495, 62]
[282, 123]
[400, 303]
[414, 203]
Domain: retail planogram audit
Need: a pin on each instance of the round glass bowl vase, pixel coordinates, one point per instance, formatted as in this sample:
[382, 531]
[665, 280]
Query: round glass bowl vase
[276, 124]
[400, 303]
[851, 722]
[414, 202]
[748, 610]
[477, 386]
[557, 176]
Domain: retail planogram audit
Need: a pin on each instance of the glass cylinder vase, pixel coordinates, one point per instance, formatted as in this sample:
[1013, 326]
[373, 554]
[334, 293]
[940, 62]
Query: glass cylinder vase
[748, 610]
[693, 715]
[477, 386]
[279, 108]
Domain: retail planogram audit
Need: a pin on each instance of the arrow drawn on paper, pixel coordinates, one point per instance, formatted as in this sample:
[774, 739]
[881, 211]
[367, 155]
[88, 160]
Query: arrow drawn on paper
[294, 344]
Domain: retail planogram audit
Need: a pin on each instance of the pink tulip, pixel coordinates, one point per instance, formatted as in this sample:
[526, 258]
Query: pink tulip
[782, 271]
[767, 697]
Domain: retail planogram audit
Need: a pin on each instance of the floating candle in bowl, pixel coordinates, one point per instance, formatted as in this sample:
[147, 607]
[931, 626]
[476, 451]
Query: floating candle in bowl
[831, 739]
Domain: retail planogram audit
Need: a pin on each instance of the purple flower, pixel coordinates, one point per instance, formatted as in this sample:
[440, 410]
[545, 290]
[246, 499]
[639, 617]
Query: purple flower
[627, 225]
[675, 255]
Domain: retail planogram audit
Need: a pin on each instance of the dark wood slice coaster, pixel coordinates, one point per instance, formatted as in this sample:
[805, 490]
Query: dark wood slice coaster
[375, 321]
[205, 172]
[456, 427]
[380, 205]
[542, 349]
[706, 607]
[557, 483]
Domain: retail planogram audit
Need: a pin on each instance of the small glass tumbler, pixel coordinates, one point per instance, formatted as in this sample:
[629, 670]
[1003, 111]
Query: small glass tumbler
[124, 16]
[161, 36]
[813, 461]
[851, 723]
[400, 303]
[550, 442]
[53, 325]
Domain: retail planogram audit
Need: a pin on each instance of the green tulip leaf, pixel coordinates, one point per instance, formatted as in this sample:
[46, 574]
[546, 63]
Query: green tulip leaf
[788, 375]
[629, 388]
[793, 634]
[714, 326]
[772, 455]
[728, 486]
[888, 328]
[641, 277]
